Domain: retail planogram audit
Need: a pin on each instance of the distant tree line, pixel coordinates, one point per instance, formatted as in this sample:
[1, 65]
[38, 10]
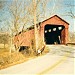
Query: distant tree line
[71, 37]
[4, 39]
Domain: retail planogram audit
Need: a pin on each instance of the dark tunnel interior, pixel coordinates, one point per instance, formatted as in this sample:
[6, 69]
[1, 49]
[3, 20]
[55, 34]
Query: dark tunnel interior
[52, 34]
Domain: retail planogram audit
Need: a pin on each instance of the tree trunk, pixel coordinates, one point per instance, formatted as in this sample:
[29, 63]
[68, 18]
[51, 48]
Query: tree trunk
[4, 43]
[35, 28]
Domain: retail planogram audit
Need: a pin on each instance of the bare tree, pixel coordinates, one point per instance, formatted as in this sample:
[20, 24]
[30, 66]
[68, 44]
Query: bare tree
[71, 14]
[4, 38]
[70, 11]
[17, 9]
[2, 3]
[35, 28]
[36, 10]
[33, 11]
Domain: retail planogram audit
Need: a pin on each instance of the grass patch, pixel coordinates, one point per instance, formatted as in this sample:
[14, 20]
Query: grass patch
[7, 59]
[46, 50]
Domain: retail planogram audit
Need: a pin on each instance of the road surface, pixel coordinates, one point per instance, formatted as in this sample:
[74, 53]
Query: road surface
[60, 60]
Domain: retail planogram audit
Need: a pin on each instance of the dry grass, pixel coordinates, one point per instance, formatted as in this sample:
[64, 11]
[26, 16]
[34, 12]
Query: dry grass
[7, 59]
[2, 45]
[46, 50]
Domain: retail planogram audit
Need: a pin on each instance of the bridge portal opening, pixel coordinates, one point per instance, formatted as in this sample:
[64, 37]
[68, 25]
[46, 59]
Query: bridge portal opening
[52, 34]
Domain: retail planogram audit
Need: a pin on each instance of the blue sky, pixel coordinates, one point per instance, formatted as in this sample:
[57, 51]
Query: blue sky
[59, 7]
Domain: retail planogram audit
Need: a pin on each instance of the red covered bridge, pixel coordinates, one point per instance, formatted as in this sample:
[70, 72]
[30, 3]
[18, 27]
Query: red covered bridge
[52, 31]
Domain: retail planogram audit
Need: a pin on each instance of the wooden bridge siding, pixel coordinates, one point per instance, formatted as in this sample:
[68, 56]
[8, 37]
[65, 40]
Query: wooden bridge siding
[27, 36]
